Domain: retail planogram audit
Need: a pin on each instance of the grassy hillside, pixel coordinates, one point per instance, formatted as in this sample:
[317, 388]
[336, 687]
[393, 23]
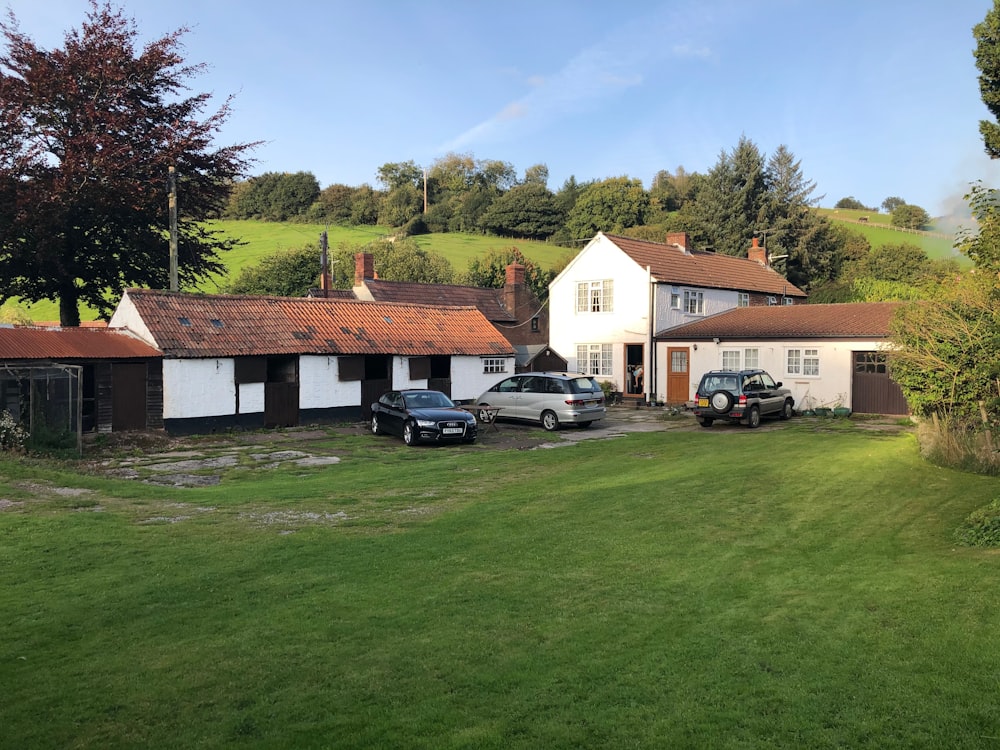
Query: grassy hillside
[263, 238]
[878, 232]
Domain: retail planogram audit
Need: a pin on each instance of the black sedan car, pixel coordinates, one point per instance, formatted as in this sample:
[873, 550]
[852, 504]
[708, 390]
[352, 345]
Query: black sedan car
[422, 415]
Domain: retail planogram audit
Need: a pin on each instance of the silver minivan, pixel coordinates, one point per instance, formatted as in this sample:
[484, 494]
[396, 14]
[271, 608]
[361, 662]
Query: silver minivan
[550, 398]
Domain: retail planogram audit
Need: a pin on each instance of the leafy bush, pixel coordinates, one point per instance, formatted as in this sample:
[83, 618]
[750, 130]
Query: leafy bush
[12, 435]
[982, 527]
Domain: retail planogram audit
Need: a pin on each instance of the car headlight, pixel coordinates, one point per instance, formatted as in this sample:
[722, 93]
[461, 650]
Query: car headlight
[426, 423]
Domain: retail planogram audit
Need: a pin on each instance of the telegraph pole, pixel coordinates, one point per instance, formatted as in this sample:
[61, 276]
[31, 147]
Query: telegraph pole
[172, 192]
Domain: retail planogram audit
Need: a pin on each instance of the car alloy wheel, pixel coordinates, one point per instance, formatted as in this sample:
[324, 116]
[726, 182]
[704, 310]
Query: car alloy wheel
[487, 415]
[786, 410]
[550, 421]
[753, 417]
[410, 433]
[375, 424]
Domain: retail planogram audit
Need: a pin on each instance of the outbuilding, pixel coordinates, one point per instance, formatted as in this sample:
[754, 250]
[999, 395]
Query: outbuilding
[250, 361]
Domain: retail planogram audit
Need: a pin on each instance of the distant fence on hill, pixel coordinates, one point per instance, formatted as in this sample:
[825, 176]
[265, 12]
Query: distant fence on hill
[864, 222]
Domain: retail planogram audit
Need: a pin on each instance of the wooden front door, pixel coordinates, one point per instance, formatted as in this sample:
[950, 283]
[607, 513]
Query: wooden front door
[678, 375]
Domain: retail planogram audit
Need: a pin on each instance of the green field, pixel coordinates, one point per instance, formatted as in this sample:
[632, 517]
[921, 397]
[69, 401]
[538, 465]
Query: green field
[263, 238]
[639, 592]
[935, 244]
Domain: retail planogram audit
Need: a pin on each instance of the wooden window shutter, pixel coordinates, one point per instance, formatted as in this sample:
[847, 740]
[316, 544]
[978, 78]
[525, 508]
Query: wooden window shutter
[249, 369]
[351, 368]
[420, 368]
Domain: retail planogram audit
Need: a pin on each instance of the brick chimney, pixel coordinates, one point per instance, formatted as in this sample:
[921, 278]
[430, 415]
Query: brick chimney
[757, 253]
[679, 238]
[513, 286]
[364, 268]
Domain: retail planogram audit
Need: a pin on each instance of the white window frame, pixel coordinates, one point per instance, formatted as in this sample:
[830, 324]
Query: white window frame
[694, 302]
[803, 362]
[494, 365]
[595, 359]
[743, 299]
[595, 296]
[741, 359]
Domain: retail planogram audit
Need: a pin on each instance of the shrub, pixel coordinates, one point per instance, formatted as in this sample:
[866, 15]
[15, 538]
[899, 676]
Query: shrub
[12, 435]
[982, 527]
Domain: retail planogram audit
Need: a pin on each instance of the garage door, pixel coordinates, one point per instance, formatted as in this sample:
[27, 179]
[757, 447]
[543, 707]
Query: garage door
[872, 390]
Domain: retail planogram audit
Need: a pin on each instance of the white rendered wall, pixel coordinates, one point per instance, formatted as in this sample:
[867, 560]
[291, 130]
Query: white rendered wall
[468, 380]
[628, 322]
[320, 386]
[198, 388]
[832, 387]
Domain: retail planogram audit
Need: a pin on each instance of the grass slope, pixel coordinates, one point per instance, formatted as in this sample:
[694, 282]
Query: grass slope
[636, 592]
[263, 238]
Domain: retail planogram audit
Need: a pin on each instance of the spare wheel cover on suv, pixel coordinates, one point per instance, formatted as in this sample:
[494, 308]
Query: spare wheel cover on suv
[721, 401]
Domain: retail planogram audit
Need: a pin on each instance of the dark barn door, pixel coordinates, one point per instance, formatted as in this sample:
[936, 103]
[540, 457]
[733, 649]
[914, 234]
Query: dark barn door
[377, 381]
[128, 396]
[281, 392]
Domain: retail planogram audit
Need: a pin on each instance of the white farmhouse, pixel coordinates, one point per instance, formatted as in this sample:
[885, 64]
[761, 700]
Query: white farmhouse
[607, 305]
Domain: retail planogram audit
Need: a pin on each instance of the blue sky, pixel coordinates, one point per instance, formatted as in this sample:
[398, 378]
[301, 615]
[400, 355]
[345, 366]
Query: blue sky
[876, 98]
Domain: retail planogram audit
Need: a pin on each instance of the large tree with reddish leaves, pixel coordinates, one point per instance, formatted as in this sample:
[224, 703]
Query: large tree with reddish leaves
[87, 135]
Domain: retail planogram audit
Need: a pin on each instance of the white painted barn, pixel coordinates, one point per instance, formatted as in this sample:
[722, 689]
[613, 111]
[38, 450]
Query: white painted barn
[240, 361]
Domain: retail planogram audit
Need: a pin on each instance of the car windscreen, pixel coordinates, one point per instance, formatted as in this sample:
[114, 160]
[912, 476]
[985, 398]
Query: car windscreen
[429, 400]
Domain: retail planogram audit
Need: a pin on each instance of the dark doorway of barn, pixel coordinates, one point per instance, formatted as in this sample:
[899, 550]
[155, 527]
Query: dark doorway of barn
[281, 391]
[377, 380]
[440, 375]
[128, 396]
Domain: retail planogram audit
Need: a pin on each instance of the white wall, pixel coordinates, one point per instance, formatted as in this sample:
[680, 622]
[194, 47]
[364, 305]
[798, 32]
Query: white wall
[198, 388]
[468, 381]
[628, 323]
[320, 386]
[126, 316]
[836, 366]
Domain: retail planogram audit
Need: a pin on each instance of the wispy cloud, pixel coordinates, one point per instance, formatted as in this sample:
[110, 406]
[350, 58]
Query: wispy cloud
[597, 74]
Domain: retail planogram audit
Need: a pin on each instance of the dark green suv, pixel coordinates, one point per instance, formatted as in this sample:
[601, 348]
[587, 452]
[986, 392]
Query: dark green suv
[742, 396]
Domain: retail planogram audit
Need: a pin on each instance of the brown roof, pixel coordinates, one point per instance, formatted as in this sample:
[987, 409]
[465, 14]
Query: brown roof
[671, 265]
[845, 320]
[192, 325]
[488, 301]
[27, 343]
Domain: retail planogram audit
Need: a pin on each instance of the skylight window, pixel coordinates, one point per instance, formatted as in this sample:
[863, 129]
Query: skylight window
[184, 322]
[216, 322]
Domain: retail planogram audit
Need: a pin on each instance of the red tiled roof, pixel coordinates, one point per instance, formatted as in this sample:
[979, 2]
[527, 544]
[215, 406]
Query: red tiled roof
[487, 300]
[26, 343]
[845, 320]
[192, 325]
[670, 265]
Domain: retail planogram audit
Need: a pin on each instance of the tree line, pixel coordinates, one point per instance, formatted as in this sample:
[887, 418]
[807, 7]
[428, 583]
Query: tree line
[746, 194]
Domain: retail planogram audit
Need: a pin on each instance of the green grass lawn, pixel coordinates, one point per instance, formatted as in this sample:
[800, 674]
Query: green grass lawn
[934, 245]
[796, 587]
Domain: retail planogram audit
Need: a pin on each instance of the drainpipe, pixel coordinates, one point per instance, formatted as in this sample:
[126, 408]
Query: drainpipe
[649, 382]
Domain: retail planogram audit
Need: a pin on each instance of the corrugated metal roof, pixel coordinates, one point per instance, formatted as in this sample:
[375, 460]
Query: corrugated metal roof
[844, 320]
[31, 343]
[671, 265]
[192, 325]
